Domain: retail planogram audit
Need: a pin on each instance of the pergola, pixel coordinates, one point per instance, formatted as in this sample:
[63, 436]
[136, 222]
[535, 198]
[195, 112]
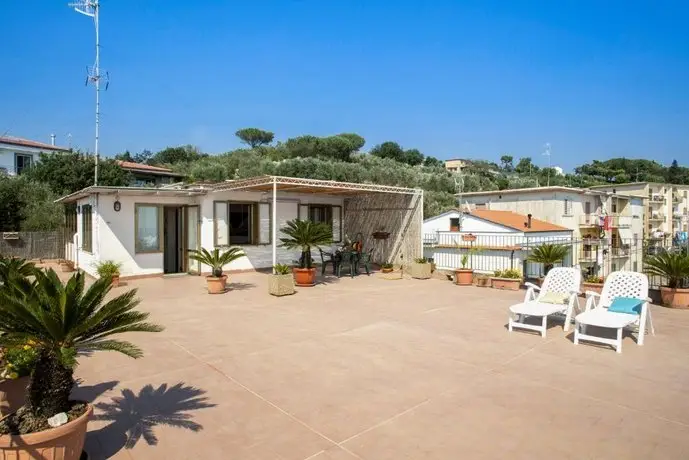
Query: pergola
[275, 184]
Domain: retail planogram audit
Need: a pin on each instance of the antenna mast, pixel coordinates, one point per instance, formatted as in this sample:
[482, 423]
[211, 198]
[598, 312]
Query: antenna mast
[91, 8]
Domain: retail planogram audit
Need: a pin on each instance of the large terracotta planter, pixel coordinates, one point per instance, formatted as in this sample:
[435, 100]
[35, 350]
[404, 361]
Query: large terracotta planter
[386, 270]
[66, 267]
[12, 394]
[420, 271]
[464, 277]
[304, 277]
[674, 298]
[115, 281]
[62, 443]
[593, 287]
[507, 284]
[280, 285]
[216, 284]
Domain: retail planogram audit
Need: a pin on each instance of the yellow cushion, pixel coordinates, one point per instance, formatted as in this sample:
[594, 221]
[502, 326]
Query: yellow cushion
[554, 297]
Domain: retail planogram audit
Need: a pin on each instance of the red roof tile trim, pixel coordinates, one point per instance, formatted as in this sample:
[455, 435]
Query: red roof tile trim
[516, 221]
[29, 143]
[141, 167]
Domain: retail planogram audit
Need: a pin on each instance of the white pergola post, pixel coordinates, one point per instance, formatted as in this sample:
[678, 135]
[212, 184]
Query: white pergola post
[274, 226]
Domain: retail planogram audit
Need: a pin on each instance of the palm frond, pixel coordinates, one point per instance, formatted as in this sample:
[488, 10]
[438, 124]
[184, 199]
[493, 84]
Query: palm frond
[548, 254]
[673, 266]
[124, 347]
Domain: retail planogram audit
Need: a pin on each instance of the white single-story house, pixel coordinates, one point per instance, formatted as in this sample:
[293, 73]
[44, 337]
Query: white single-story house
[495, 240]
[17, 154]
[150, 230]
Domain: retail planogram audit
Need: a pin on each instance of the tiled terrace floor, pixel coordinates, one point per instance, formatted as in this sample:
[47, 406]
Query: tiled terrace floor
[374, 369]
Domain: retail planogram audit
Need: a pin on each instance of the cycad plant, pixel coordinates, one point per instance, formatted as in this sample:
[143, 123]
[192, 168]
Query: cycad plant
[11, 268]
[216, 259]
[673, 266]
[304, 235]
[61, 321]
[548, 255]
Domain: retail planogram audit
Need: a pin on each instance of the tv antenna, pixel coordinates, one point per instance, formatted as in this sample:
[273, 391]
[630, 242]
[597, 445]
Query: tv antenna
[547, 153]
[94, 74]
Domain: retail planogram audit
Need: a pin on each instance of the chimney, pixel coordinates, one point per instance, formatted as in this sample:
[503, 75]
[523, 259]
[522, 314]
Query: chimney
[528, 222]
[52, 139]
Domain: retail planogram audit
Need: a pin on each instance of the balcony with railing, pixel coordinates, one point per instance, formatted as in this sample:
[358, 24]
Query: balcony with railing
[656, 216]
[596, 220]
[656, 198]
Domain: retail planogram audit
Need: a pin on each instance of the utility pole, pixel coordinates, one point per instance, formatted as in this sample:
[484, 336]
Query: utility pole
[91, 8]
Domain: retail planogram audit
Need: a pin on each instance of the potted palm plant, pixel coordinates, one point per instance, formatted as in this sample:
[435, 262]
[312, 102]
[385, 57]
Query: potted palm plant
[63, 321]
[464, 276]
[387, 267]
[216, 260]
[548, 254]
[109, 269]
[673, 267]
[12, 267]
[420, 269]
[304, 235]
[281, 281]
[509, 279]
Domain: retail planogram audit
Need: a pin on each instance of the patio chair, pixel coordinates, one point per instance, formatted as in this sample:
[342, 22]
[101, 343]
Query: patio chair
[618, 284]
[349, 259]
[365, 261]
[557, 295]
[327, 258]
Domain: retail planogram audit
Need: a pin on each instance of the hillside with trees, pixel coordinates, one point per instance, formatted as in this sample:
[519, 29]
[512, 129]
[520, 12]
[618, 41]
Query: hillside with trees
[27, 202]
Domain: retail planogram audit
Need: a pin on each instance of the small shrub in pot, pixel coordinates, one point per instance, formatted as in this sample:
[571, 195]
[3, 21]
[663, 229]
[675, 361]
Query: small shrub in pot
[509, 279]
[281, 281]
[421, 269]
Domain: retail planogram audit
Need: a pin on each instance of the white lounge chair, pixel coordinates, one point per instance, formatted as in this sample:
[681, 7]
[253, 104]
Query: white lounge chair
[561, 280]
[617, 284]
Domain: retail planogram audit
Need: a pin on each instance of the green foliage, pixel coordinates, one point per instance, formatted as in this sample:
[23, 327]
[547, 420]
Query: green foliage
[506, 163]
[387, 265]
[255, 137]
[394, 151]
[174, 155]
[433, 162]
[282, 269]
[11, 268]
[17, 361]
[673, 266]
[216, 259]
[108, 268]
[28, 205]
[68, 172]
[421, 260]
[548, 254]
[356, 141]
[304, 235]
[526, 166]
[594, 279]
[509, 273]
[63, 320]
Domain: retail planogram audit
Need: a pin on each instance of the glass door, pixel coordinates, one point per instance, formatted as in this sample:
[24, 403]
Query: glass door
[191, 229]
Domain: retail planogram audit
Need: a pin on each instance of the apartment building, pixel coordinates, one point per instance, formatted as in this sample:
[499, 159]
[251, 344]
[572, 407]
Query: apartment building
[17, 154]
[607, 226]
[666, 205]
[455, 164]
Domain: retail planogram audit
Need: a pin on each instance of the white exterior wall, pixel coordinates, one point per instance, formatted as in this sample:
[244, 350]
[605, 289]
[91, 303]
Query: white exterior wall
[7, 154]
[261, 256]
[441, 223]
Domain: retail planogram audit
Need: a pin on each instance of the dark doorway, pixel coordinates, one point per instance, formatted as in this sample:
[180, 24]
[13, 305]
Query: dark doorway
[173, 262]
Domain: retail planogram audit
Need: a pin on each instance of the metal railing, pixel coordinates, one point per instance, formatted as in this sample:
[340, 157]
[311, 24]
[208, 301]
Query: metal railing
[486, 253]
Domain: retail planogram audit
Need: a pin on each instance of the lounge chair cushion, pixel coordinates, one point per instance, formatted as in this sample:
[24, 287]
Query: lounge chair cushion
[629, 305]
[554, 297]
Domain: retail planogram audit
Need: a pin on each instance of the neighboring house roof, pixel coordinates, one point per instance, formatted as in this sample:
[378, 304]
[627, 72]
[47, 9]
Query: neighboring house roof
[11, 140]
[140, 167]
[517, 221]
[554, 188]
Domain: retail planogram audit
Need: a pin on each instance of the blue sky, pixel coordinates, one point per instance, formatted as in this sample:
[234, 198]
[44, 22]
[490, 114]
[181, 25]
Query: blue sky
[453, 78]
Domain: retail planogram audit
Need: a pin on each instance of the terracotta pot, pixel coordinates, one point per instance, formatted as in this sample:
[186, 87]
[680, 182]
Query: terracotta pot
[115, 281]
[12, 394]
[386, 270]
[675, 298]
[508, 284]
[483, 282]
[420, 271]
[593, 287]
[464, 277]
[280, 285]
[304, 277]
[62, 443]
[216, 284]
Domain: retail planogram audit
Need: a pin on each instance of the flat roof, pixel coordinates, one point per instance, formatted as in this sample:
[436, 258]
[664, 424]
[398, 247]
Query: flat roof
[627, 184]
[301, 185]
[109, 190]
[529, 190]
[261, 183]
